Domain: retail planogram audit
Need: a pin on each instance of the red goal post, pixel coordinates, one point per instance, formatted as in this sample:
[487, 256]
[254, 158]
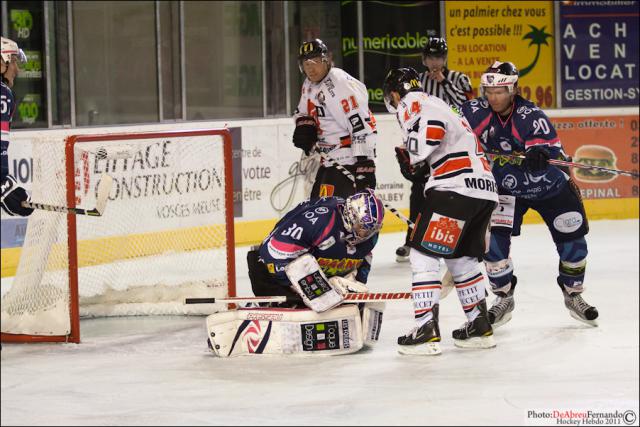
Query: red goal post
[166, 233]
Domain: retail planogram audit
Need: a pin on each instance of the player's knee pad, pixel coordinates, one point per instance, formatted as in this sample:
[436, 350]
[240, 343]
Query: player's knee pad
[468, 280]
[500, 275]
[462, 268]
[499, 245]
[249, 331]
[573, 263]
[424, 268]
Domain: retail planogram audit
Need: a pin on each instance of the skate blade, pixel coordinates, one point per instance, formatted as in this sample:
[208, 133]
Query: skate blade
[476, 342]
[427, 349]
[593, 323]
[400, 258]
[502, 321]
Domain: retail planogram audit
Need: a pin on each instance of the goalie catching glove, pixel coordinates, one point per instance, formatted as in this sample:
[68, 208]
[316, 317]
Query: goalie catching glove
[306, 134]
[12, 196]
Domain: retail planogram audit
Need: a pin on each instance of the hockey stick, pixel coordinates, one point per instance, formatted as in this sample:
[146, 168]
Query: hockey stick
[572, 164]
[355, 297]
[102, 196]
[350, 176]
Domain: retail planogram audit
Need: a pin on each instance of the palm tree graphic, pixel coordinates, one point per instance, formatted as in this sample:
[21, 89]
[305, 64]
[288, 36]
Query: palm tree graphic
[538, 37]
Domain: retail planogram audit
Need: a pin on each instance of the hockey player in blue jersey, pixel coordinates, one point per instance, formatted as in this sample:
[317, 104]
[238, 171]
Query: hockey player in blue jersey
[508, 124]
[12, 195]
[338, 235]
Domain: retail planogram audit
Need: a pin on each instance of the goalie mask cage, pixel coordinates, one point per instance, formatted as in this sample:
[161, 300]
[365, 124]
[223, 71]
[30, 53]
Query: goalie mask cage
[166, 233]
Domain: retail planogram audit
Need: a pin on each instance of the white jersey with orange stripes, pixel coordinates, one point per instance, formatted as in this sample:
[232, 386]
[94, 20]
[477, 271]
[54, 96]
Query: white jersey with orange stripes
[340, 106]
[437, 134]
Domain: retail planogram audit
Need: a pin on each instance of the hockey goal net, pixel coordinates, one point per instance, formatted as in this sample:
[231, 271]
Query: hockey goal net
[166, 232]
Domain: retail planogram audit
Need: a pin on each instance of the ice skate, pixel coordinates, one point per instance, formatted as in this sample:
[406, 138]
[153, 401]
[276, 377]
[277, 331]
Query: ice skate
[475, 334]
[578, 308]
[503, 305]
[422, 340]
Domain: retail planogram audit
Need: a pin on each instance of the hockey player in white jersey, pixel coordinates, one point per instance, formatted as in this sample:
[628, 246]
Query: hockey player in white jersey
[333, 117]
[460, 196]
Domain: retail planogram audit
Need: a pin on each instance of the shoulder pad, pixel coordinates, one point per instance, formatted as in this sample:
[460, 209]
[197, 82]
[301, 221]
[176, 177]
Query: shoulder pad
[476, 110]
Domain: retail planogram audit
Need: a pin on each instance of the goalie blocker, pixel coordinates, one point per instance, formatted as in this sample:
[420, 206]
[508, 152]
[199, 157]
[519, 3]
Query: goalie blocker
[294, 332]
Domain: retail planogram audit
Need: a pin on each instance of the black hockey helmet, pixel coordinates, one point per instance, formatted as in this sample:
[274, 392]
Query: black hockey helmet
[313, 49]
[401, 80]
[500, 74]
[436, 46]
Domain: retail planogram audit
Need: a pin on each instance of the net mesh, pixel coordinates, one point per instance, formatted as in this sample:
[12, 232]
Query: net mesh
[162, 237]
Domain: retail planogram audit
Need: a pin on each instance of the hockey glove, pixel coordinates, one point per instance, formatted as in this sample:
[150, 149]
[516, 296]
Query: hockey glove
[364, 171]
[12, 196]
[410, 172]
[536, 158]
[306, 134]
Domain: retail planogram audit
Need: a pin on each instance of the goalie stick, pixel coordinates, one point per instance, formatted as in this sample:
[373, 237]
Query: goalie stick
[354, 297]
[102, 196]
[572, 164]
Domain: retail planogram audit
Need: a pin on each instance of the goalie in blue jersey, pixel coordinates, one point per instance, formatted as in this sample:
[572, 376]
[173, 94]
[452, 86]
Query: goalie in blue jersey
[315, 255]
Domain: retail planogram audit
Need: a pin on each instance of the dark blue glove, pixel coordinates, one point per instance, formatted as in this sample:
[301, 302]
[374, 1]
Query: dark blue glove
[536, 158]
[12, 196]
[306, 134]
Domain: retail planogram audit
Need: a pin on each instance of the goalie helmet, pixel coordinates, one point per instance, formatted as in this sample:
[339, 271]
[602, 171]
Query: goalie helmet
[500, 74]
[9, 48]
[313, 49]
[362, 216]
[436, 46]
[402, 81]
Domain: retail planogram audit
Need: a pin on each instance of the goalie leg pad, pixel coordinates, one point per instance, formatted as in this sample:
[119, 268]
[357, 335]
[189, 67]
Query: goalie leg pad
[372, 322]
[283, 331]
[308, 280]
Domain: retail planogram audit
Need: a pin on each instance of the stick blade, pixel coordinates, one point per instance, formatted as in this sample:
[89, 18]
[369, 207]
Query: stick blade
[104, 189]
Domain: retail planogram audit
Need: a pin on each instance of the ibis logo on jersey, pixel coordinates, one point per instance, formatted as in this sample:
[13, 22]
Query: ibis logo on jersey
[339, 267]
[443, 234]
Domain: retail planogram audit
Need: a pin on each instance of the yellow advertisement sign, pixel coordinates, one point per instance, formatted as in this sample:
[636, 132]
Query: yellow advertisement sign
[481, 32]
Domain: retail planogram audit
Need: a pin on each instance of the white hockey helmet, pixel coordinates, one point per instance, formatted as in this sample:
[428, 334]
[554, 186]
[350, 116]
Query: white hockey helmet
[500, 74]
[9, 48]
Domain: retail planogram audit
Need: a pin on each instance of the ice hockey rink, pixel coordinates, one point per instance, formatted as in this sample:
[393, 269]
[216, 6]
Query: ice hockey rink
[158, 370]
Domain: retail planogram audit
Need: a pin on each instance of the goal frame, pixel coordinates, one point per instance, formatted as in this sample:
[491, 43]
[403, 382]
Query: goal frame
[70, 143]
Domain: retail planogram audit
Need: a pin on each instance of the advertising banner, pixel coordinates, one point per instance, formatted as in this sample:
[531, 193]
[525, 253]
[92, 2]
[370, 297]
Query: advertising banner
[610, 142]
[599, 53]
[394, 35]
[25, 28]
[481, 32]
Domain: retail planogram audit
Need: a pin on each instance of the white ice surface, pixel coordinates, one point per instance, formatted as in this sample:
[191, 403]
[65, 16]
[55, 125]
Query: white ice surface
[158, 371]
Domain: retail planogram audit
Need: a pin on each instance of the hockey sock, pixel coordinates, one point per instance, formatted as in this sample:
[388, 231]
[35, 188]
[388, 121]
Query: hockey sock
[425, 293]
[470, 288]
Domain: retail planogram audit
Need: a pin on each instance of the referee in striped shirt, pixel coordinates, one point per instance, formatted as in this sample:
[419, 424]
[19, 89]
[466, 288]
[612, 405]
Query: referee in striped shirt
[454, 88]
